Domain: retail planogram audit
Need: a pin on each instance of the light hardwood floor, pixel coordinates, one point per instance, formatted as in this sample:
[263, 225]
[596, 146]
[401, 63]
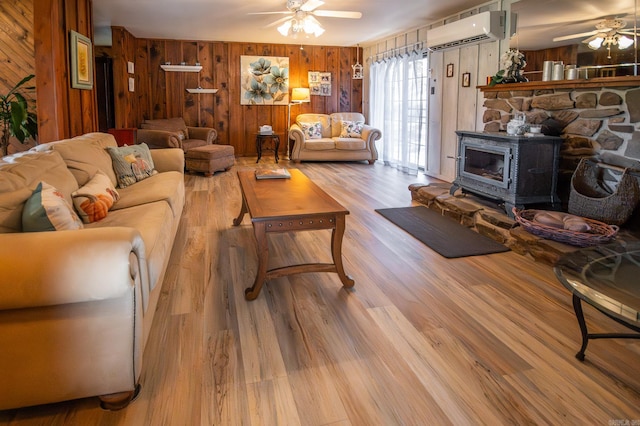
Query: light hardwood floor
[421, 340]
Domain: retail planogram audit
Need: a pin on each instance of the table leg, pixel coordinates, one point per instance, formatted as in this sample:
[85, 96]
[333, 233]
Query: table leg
[577, 307]
[243, 210]
[277, 143]
[259, 147]
[336, 251]
[260, 232]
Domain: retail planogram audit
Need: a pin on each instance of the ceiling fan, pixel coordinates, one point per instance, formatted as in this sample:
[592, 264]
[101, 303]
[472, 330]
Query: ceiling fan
[608, 32]
[301, 17]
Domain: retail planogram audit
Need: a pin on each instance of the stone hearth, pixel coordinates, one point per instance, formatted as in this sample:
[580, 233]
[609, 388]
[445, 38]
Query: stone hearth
[489, 219]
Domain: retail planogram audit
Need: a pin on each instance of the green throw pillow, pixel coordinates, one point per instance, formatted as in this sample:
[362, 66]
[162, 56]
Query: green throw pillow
[131, 163]
[47, 210]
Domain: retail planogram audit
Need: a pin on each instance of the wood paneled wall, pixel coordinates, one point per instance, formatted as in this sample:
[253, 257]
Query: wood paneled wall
[17, 57]
[63, 112]
[535, 59]
[160, 94]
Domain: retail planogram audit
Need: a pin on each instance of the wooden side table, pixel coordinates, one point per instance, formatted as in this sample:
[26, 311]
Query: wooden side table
[261, 139]
[124, 136]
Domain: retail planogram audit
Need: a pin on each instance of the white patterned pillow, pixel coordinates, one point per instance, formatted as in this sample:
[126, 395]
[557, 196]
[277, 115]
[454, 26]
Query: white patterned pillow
[93, 200]
[312, 130]
[47, 210]
[351, 129]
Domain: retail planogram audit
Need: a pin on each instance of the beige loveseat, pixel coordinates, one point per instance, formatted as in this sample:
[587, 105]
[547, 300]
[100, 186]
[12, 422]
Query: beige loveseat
[331, 146]
[76, 306]
[174, 133]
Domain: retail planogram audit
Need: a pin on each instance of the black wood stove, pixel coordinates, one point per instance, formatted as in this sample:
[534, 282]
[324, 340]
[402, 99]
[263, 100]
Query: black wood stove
[517, 170]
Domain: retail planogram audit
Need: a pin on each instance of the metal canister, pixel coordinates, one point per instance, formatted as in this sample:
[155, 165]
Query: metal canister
[558, 71]
[547, 70]
[570, 72]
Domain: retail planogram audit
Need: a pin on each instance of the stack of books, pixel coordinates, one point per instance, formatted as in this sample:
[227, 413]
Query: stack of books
[272, 174]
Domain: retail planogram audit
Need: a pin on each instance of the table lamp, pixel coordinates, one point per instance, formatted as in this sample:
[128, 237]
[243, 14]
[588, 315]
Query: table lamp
[298, 95]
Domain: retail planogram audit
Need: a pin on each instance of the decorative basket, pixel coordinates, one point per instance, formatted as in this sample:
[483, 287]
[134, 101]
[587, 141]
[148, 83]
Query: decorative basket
[588, 198]
[600, 233]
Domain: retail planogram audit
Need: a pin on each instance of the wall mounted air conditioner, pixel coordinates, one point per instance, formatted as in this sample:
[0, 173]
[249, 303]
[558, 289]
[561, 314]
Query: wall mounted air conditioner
[484, 26]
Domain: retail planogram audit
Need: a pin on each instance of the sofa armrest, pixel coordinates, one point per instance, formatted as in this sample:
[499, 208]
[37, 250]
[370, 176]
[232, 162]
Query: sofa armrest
[159, 138]
[59, 267]
[297, 136]
[168, 160]
[371, 135]
[204, 133]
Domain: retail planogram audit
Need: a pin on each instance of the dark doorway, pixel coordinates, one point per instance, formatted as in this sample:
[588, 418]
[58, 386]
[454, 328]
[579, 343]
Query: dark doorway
[104, 92]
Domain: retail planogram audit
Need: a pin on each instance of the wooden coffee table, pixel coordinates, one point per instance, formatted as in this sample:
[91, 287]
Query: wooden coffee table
[289, 205]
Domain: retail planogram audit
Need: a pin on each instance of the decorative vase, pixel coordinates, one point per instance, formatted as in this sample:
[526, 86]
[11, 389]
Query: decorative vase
[514, 75]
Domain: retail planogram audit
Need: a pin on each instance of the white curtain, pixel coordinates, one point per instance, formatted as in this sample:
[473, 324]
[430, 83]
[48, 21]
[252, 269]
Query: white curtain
[398, 107]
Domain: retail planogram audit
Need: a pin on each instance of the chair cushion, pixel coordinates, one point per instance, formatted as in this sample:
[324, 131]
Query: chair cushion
[319, 144]
[188, 144]
[350, 143]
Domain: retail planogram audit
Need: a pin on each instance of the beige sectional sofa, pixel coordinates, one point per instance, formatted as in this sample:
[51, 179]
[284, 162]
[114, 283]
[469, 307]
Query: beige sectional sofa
[329, 145]
[76, 306]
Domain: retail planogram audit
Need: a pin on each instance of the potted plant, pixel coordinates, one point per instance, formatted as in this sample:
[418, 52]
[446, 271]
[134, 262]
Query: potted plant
[15, 117]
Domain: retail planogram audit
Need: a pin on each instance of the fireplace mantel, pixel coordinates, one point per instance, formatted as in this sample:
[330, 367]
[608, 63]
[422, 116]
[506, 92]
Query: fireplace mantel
[626, 81]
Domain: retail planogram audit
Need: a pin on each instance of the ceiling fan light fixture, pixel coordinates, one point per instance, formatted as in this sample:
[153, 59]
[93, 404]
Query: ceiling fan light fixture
[595, 43]
[312, 26]
[301, 19]
[624, 42]
[284, 28]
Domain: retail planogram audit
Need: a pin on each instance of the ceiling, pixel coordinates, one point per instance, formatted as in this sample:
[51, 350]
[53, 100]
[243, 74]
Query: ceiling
[229, 20]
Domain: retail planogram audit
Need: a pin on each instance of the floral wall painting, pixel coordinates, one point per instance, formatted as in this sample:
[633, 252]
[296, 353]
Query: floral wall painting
[81, 62]
[264, 80]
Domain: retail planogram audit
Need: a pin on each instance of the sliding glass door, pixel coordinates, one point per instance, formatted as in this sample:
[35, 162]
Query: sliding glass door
[398, 107]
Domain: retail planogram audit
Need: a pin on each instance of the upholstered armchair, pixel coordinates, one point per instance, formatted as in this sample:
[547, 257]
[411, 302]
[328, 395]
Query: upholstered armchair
[174, 133]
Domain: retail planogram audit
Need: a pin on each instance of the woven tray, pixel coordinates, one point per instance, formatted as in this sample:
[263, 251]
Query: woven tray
[600, 233]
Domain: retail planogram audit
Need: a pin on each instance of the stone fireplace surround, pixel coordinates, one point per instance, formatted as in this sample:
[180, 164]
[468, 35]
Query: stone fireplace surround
[597, 118]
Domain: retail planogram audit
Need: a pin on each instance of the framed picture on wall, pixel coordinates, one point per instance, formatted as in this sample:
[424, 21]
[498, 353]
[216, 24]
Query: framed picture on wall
[449, 70]
[264, 80]
[466, 79]
[314, 77]
[81, 62]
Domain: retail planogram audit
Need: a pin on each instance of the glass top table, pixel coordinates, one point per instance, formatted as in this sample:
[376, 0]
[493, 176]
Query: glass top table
[608, 278]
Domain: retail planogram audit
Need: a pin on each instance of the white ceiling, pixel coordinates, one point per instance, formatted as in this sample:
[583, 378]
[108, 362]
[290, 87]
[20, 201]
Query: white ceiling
[229, 20]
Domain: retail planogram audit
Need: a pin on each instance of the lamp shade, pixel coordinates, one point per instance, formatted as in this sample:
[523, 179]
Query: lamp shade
[595, 42]
[624, 42]
[300, 94]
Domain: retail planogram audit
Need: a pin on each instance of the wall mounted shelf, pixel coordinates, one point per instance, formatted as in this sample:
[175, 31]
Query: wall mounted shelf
[182, 68]
[201, 90]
